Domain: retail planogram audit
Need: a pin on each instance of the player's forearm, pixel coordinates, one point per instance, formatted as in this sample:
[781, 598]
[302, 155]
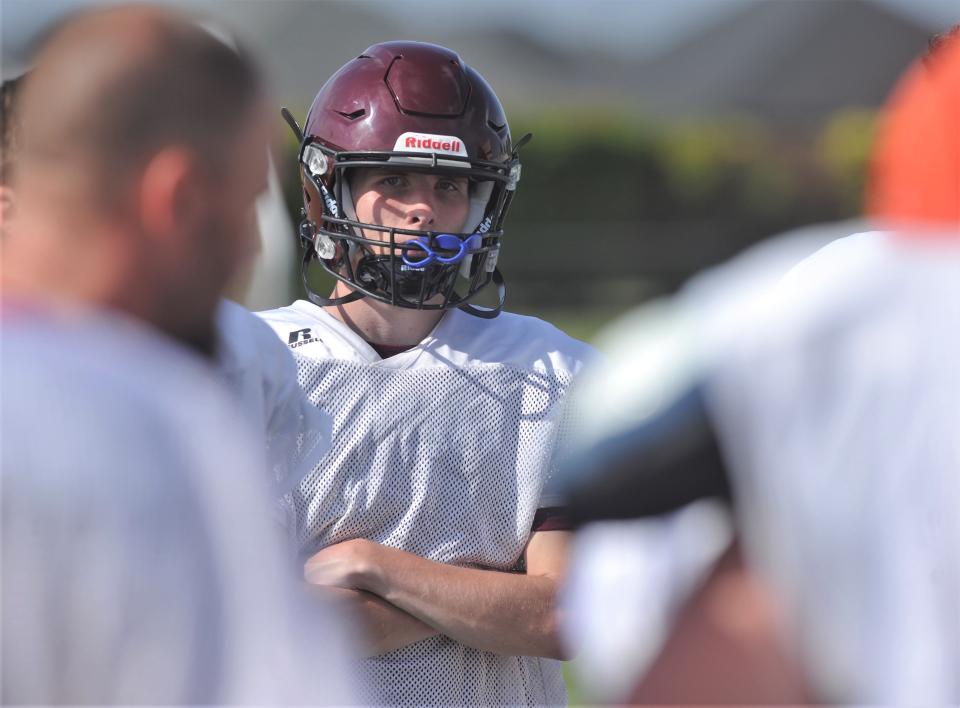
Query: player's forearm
[385, 626]
[506, 613]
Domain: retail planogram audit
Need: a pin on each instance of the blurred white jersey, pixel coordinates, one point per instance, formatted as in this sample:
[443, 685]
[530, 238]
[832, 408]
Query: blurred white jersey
[836, 403]
[627, 579]
[139, 561]
[445, 451]
[263, 375]
[833, 392]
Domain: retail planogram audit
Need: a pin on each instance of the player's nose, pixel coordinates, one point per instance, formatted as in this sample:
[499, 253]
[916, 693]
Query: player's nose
[420, 212]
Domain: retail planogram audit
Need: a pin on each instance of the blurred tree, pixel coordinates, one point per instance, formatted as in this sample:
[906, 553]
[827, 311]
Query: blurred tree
[844, 149]
[614, 208]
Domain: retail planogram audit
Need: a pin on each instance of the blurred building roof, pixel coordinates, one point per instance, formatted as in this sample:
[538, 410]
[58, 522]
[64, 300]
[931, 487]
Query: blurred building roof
[304, 43]
[788, 62]
[791, 63]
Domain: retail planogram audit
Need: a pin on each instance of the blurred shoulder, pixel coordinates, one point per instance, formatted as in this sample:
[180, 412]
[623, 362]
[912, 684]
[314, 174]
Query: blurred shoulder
[243, 334]
[844, 258]
[233, 317]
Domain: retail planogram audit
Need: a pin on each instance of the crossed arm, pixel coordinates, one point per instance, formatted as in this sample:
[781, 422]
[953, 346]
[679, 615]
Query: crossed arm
[403, 598]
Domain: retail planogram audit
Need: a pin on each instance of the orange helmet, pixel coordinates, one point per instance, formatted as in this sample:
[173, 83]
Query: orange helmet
[915, 173]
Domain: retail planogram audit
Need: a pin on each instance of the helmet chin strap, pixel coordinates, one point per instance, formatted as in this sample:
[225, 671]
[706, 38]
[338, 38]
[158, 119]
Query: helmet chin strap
[491, 313]
[321, 301]
[317, 299]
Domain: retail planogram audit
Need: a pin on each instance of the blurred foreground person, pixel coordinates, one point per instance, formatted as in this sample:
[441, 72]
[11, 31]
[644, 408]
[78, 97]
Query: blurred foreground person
[256, 366]
[629, 580]
[139, 562]
[824, 404]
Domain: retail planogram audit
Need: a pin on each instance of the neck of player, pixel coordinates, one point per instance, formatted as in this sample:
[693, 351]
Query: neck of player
[380, 323]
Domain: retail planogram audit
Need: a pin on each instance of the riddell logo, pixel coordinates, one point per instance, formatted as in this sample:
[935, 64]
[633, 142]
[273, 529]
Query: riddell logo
[426, 142]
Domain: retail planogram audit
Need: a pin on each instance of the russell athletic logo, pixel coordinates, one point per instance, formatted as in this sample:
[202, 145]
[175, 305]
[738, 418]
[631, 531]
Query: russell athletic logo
[426, 142]
[300, 337]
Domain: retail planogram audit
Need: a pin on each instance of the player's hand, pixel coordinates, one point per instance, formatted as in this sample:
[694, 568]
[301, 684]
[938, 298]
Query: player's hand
[342, 565]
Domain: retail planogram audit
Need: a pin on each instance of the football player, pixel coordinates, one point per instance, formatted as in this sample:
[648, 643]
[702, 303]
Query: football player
[432, 515]
[823, 402]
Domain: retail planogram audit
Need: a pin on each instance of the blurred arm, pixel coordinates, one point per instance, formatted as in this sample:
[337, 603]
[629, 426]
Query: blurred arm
[645, 443]
[664, 463]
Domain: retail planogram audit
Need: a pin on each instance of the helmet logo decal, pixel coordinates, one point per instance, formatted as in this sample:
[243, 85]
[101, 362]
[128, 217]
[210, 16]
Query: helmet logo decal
[484, 226]
[427, 142]
[330, 202]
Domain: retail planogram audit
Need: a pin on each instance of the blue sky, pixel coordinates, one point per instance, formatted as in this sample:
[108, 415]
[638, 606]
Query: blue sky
[625, 27]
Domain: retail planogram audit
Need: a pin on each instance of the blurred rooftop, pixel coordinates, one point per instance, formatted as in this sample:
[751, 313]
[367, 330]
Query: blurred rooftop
[786, 61]
[791, 63]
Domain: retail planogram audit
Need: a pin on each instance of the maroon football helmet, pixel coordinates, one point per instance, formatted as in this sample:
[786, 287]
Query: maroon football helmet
[419, 107]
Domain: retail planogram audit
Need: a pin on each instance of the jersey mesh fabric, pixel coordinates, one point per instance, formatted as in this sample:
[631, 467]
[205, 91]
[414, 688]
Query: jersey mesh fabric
[444, 459]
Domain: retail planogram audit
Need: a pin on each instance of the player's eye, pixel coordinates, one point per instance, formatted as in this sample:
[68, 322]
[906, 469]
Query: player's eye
[393, 181]
[452, 185]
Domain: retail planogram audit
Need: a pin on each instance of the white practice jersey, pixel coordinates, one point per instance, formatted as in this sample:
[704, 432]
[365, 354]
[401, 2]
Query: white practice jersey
[139, 562]
[837, 405]
[445, 451]
[627, 579]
